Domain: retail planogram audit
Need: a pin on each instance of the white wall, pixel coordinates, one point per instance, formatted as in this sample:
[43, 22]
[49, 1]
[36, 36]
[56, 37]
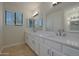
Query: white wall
[1, 24]
[13, 34]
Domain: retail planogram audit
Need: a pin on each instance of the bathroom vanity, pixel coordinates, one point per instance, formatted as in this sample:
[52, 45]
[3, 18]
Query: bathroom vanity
[61, 37]
[49, 44]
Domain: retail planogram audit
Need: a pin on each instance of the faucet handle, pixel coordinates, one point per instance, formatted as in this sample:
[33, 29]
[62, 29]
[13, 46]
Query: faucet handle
[58, 33]
[63, 34]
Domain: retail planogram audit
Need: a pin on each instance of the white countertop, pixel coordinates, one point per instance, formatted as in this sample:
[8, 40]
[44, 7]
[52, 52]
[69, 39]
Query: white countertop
[67, 40]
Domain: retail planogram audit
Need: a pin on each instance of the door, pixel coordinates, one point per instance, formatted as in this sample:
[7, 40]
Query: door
[33, 44]
[37, 46]
[30, 41]
[26, 37]
[44, 50]
[56, 53]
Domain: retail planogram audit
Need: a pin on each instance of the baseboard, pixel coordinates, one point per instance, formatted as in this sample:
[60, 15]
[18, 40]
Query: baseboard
[7, 46]
[1, 50]
[31, 49]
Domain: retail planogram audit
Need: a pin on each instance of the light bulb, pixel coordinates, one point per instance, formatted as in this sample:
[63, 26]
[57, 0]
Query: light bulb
[54, 2]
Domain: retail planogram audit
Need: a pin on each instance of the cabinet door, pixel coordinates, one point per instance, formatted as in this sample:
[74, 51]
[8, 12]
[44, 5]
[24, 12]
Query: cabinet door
[44, 50]
[26, 38]
[56, 53]
[70, 51]
[54, 45]
[37, 47]
[33, 44]
[30, 41]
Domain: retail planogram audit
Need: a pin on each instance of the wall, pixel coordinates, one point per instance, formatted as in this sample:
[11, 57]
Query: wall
[55, 16]
[1, 24]
[13, 34]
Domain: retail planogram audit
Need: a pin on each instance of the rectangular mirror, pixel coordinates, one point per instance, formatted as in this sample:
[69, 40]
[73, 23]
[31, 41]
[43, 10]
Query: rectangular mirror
[36, 23]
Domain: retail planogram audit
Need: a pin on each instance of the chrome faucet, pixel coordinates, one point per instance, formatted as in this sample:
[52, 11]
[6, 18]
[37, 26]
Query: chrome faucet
[61, 32]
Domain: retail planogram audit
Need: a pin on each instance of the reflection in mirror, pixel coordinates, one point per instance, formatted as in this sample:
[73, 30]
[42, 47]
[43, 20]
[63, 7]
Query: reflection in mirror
[31, 24]
[39, 23]
[74, 25]
[72, 20]
[36, 23]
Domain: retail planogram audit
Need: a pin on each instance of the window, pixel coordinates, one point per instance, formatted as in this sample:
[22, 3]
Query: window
[13, 18]
[9, 17]
[18, 18]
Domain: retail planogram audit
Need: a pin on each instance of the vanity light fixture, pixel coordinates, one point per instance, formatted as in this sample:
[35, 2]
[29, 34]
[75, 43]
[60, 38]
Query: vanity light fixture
[35, 14]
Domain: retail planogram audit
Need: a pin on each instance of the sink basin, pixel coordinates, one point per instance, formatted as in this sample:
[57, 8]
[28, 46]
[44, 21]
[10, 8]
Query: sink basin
[46, 33]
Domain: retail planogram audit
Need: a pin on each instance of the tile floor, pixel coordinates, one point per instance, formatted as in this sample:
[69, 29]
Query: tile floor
[18, 50]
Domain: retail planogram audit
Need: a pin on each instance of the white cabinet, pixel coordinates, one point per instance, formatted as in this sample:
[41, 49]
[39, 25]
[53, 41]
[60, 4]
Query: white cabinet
[30, 41]
[55, 48]
[53, 44]
[45, 47]
[26, 37]
[70, 51]
[37, 47]
[36, 44]
[44, 50]
[56, 53]
[33, 42]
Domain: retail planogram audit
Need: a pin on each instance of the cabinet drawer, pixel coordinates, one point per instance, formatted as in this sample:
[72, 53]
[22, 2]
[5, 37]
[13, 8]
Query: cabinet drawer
[53, 45]
[70, 51]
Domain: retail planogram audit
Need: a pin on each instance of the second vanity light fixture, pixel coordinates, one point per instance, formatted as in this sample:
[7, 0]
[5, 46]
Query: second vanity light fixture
[55, 3]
